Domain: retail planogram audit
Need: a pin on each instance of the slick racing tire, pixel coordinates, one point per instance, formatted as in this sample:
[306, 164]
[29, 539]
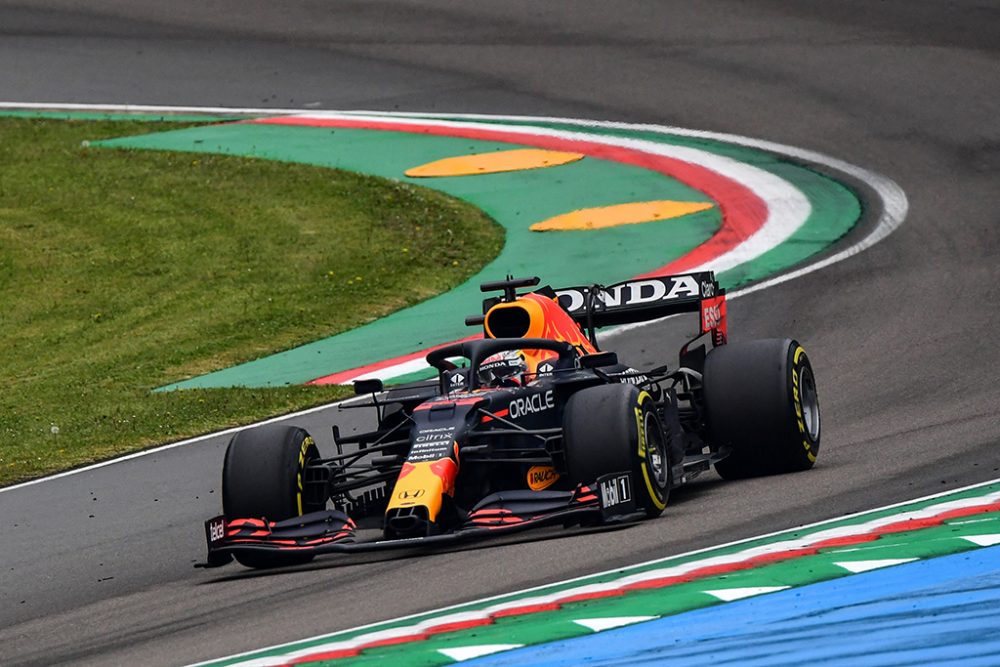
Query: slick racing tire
[615, 428]
[761, 401]
[262, 478]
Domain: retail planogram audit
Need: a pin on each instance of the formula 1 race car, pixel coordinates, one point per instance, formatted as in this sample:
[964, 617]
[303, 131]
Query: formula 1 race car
[531, 425]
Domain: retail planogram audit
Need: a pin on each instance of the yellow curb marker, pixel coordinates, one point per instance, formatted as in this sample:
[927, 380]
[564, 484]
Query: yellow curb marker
[622, 214]
[493, 163]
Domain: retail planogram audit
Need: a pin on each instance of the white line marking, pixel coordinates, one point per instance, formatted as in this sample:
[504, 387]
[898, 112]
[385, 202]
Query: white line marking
[732, 594]
[983, 540]
[142, 108]
[858, 566]
[463, 653]
[601, 624]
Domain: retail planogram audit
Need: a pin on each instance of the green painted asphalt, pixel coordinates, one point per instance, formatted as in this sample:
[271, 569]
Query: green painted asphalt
[515, 200]
[546, 626]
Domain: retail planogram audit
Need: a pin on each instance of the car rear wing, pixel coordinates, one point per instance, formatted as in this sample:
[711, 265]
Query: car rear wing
[644, 299]
[632, 301]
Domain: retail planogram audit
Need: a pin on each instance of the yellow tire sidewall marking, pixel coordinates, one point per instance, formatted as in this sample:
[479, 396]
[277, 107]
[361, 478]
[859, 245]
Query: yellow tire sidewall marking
[797, 403]
[306, 444]
[641, 433]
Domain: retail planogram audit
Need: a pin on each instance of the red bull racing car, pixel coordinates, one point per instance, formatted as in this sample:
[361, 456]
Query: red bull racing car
[531, 425]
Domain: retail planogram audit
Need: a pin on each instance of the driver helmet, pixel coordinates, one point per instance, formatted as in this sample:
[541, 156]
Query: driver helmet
[503, 369]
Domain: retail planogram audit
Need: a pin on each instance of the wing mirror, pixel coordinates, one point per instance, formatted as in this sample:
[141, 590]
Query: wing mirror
[372, 386]
[598, 359]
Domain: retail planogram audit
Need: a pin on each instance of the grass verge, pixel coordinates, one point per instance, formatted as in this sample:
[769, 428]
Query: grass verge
[122, 271]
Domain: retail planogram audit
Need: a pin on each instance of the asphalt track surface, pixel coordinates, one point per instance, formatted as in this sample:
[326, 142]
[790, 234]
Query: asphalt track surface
[97, 567]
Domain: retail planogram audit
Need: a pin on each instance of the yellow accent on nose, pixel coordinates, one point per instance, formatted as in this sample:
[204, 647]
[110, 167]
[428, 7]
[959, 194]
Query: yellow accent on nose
[622, 214]
[493, 163]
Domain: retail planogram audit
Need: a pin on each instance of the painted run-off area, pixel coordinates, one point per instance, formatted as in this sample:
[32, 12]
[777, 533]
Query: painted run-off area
[785, 564]
[516, 199]
[940, 610]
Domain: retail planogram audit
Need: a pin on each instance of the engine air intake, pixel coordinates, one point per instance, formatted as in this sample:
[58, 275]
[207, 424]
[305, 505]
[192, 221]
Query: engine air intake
[508, 321]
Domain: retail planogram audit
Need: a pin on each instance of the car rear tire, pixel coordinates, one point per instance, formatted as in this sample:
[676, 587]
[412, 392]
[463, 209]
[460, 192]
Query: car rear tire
[761, 400]
[262, 478]
[616, 428]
